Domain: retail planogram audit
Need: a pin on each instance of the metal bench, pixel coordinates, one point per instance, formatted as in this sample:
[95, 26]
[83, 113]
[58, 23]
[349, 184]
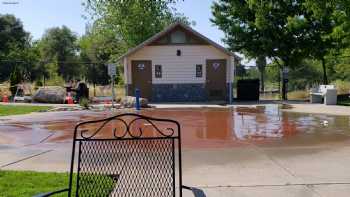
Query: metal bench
[127, 155]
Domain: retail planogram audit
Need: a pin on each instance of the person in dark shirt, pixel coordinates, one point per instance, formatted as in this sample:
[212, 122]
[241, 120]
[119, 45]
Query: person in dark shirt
[81, 91]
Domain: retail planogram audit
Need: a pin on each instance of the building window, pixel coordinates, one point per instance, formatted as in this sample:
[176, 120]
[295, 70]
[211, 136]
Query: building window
[178, 37]
[158, 71]
[199, 70]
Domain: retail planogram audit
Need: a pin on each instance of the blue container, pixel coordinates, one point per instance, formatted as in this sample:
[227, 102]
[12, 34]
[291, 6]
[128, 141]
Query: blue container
[137, 96]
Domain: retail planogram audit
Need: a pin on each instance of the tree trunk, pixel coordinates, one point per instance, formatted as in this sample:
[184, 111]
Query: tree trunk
[284, 85]
[284, 90]
[262, 81]
[325, 78]
[261, 64]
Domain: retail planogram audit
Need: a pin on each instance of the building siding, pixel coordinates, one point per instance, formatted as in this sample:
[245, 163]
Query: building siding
[179, 69]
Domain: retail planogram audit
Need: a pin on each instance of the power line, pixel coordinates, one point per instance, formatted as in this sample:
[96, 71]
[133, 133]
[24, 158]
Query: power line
[63, 62]
[10, 2]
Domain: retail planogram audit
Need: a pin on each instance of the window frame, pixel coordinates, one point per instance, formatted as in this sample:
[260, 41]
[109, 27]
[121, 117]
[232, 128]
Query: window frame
[199, 70]
[158, 71]
[176, 37]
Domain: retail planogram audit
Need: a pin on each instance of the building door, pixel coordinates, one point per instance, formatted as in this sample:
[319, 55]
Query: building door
[142, 77]
[216, 80]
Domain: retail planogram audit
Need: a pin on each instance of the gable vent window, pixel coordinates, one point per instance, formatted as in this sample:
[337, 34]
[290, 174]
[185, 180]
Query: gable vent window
[178, 37]
[199, 70]
[158, 71]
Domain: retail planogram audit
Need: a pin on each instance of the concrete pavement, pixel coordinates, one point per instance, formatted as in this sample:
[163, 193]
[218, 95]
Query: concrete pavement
[288, 167]
[247, 171]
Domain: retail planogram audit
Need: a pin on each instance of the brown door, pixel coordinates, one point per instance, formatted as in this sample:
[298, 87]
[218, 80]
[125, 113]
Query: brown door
[142, 77]
[216, 80]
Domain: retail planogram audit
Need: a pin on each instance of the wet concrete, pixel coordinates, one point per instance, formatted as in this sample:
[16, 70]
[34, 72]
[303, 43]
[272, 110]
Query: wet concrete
[201, 127]
[246, 151]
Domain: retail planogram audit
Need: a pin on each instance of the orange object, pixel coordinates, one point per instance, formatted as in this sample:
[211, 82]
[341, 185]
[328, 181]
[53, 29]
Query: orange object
[69, 99]
[5, 99]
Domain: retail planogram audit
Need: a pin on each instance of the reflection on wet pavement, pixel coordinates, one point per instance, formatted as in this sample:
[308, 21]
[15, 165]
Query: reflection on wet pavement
[201, 127]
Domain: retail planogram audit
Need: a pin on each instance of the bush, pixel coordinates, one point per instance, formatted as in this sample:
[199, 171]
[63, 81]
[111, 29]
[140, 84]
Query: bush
[343, 87]
[84, 102]
[38, 83]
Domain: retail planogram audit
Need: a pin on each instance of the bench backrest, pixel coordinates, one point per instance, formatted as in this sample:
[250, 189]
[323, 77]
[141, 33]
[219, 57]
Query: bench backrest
[127, 155]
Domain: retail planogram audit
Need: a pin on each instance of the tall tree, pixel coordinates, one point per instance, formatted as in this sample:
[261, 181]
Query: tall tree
[58, 46]
[96, 50]
[284, 31]
[133, 21]
[14, 45]
[332, 20]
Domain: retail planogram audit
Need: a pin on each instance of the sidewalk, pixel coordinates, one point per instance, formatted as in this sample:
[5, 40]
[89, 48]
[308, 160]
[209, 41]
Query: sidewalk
[249, 171]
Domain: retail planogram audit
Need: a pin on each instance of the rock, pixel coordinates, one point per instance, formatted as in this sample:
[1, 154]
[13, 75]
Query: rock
[130, 101]
[53, 94]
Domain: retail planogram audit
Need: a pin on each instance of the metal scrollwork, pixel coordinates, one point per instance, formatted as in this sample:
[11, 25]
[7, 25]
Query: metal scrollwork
[130, 129]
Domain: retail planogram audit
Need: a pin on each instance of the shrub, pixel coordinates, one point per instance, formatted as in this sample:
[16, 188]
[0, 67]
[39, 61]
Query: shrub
[38, 84]
[343, 87]
[84, 102]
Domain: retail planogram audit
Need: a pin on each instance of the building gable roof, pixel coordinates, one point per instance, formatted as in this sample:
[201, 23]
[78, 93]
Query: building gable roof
[169, 29]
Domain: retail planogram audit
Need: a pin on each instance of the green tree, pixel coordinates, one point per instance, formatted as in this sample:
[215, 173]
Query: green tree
[14, 47]
[240, 71]
[133, 21]
[58, 46]
[40, 69]
[96, 50]
[340, 69]
[284, 31]
[332, 20]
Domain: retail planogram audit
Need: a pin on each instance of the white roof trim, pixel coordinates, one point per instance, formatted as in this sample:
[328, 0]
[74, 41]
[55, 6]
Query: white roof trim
[169, 28]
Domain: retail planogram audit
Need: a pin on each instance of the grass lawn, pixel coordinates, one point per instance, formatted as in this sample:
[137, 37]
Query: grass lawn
[6, 110]
[29, 183]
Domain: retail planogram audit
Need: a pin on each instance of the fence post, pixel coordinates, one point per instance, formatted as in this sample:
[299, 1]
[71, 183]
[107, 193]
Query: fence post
[137, 96]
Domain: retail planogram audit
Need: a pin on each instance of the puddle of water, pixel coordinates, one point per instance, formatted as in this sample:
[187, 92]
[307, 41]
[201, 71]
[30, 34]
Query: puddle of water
[211, 127]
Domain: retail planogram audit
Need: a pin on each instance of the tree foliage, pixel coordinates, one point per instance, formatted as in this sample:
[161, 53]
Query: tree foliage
[58, 51]
[282, 30]
[14, 47]
[97, 49]
[133, 21]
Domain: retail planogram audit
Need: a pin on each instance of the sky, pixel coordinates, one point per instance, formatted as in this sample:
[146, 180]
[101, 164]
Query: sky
[39, 15]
